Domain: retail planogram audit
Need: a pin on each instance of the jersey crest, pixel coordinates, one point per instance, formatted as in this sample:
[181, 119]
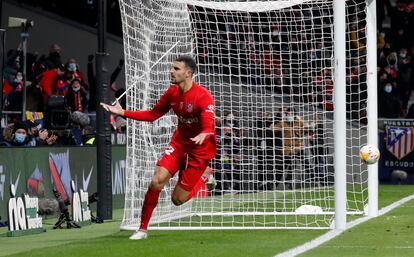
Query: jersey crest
[189, 107]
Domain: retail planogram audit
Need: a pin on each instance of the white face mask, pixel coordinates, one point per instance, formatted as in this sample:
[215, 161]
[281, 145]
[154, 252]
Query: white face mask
[388, 88]
[20, 138]
[72, 66]
[290, 118]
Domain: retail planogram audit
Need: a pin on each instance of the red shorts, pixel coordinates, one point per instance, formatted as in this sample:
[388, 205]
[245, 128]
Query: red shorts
[176, 159]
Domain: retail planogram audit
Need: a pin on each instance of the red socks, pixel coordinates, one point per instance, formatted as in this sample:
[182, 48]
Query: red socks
[150, 202]
[197, 187]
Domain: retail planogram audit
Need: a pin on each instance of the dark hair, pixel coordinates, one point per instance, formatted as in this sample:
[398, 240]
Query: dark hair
[188, 61]
[19, 125]
[30, 124]
[60, 67]
[74, 80]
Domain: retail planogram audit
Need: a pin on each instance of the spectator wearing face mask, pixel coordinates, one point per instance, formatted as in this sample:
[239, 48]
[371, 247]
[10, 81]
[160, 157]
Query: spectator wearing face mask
[389, 105]
[72, 71]
[76, 98]
[18, 135]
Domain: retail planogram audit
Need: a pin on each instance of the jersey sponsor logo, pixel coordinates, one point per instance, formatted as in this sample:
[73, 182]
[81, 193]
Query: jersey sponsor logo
[187, 120]
[184, 184]
[189, 107]
[169, 150]
[210, 108]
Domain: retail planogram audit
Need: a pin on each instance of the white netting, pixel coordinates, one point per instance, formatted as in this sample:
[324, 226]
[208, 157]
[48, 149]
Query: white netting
[258, 58]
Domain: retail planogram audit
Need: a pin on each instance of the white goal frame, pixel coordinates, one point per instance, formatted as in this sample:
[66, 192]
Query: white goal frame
[339, 131]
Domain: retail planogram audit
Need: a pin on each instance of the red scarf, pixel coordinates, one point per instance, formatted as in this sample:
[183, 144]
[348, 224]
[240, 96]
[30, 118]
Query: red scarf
[78, 101]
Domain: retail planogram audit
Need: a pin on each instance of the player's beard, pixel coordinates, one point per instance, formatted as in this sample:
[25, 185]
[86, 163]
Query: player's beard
[175, 81]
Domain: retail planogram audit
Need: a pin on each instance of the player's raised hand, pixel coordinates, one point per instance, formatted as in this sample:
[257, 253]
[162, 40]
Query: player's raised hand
[115, 109]
[199, 139]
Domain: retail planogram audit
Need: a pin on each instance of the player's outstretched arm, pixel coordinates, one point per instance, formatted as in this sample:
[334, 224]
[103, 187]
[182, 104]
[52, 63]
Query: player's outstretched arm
[199, 139]
[115, 109]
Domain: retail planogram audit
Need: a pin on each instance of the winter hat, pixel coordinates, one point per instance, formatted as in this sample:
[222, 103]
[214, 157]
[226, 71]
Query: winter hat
[19, 125]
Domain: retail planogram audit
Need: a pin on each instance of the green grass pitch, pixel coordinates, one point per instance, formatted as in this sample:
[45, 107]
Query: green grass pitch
[388, 235]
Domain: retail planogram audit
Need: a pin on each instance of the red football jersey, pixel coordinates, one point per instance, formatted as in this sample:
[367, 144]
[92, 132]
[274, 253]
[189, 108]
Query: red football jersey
[195, 112]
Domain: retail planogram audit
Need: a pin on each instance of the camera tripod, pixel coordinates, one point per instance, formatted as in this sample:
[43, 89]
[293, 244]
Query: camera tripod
[64, 213]
[64, 217]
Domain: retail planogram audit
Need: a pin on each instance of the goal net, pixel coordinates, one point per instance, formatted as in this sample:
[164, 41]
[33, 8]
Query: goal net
[269, 65]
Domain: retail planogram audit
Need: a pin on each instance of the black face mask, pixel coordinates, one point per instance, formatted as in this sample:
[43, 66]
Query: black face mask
[392, 62]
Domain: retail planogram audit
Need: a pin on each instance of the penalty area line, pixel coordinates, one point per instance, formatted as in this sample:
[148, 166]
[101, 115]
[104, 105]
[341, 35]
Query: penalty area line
[334, 233]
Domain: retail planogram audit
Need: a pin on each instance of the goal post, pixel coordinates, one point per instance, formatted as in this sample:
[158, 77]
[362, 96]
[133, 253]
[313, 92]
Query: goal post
[340, 126]
[372, 105]
[272, 67]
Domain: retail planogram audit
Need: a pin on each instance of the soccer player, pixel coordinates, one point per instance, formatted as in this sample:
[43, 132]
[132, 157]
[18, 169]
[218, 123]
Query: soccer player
[193, 143]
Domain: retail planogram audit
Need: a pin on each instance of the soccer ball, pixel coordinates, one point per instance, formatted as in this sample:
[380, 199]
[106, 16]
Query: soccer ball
[369, 154]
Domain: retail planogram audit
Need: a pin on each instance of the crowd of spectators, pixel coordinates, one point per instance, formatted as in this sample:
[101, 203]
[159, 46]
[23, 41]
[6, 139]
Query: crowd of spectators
[261, 54]
[260, 51]
[271, 51]
[395, 54]
[284, 143]
[60, 100]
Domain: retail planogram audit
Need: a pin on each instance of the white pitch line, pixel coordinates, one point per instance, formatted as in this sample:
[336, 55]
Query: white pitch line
[334, 233]
[362, 246]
